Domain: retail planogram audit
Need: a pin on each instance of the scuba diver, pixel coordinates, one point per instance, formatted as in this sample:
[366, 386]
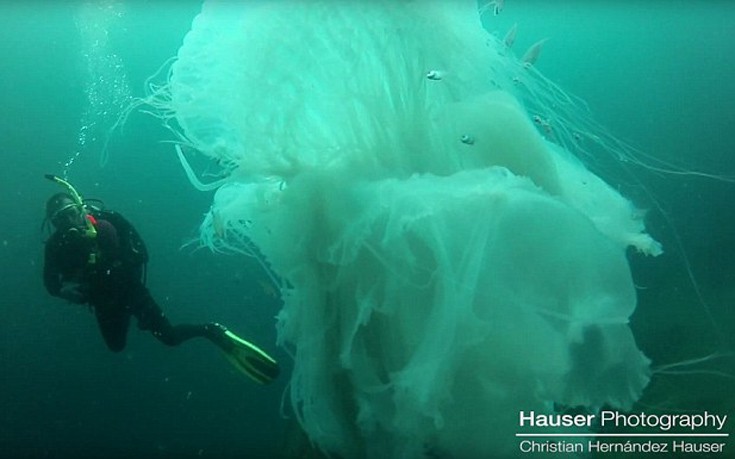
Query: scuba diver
[96, 257]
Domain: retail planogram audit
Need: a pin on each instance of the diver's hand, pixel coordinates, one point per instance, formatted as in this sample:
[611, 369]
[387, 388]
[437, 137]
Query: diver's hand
[75, 293]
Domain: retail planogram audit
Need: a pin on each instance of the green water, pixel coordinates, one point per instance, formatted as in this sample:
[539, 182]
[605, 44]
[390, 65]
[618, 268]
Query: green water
[657, 74]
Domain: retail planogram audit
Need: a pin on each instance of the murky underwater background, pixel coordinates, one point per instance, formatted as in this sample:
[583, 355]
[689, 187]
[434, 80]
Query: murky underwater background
[656, 74]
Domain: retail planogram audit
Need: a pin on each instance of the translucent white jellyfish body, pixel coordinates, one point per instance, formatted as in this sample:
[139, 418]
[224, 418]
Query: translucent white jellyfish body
[443, 265]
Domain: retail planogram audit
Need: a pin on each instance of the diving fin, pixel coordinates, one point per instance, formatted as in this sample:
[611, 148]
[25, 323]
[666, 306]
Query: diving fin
[249, 359]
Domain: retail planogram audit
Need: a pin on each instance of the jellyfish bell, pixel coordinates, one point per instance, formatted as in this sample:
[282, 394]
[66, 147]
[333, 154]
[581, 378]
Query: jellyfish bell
[501, 136]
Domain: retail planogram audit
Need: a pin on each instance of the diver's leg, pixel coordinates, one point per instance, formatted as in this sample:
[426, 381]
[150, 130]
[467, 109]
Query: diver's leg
[245, 356]
[152, 318]
[113, 321]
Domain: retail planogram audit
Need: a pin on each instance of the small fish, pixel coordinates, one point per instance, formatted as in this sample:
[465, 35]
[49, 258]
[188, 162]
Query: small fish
[435, 75]
[496, 5]
[467, 139]
[531, 56]
[510, 37]
[544, 124]
[218, 225]
[268, 289]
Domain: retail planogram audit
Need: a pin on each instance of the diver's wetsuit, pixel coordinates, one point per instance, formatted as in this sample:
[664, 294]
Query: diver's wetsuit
[112, 283]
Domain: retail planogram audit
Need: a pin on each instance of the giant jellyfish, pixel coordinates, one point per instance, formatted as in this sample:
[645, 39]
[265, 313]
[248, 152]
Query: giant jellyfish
[442, 264]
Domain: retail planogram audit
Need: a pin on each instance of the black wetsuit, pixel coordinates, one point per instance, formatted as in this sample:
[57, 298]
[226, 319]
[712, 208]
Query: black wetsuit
[112, 281]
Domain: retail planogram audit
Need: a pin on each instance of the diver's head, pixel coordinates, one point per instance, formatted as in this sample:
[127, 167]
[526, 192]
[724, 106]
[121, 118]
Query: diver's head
[63, 212]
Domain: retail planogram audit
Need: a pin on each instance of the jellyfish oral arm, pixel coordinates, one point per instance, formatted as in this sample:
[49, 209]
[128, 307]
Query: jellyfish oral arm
[196, 183]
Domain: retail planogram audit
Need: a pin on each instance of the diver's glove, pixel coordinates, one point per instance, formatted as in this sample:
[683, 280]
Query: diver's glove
[75, 293]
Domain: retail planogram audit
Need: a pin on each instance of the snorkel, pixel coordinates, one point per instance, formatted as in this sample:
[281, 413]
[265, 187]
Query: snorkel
[90, 231]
